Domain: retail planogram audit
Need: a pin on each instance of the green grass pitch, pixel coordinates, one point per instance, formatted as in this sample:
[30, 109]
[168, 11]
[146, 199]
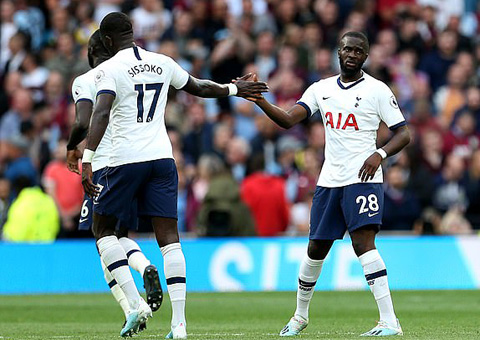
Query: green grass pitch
[334, 315]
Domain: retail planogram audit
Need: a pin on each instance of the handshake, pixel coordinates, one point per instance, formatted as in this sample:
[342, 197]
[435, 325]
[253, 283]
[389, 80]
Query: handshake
[249, 87]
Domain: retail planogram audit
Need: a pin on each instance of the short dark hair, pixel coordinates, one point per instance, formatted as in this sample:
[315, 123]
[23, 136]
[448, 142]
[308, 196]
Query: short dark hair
[116, 23]
[95, 39]
[358, 35]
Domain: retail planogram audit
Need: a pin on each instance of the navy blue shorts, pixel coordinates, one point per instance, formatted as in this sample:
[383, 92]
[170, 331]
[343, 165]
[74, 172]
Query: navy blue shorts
[336, 210]
[86, 214]
[154, 184]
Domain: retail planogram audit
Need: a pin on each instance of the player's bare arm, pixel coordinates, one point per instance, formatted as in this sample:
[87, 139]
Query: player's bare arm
[400, 139]
[210, 89]
[99, 124]
[83, 112]
[285, 119]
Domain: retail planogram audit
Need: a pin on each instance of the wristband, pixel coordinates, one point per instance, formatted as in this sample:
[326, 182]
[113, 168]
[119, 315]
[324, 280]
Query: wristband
[382, 153]
[232, 89]
[87, 156]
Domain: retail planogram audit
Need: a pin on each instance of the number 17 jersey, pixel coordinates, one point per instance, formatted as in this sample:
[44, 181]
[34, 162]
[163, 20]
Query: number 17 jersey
[139, 80]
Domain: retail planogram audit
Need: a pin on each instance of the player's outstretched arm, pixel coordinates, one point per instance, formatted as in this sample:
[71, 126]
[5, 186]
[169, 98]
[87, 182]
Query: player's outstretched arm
[285, 119]
[209, 89]
[83, 112]
[400, 139]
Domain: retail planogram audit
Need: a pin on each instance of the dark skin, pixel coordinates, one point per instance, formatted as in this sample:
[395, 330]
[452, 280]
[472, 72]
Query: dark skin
[352, 54]
[165, 228]
[83, 112]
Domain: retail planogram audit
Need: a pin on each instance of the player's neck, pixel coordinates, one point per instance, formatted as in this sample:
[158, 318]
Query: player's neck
[125, 45]
[347, 78]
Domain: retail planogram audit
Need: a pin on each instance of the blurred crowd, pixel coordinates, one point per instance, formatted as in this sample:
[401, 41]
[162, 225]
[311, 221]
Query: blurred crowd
[240, 174]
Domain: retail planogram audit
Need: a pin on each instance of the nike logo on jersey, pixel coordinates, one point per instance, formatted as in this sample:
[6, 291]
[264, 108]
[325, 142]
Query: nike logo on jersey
[95, 202]
[325, 98]
[371, 215]
[82, 220]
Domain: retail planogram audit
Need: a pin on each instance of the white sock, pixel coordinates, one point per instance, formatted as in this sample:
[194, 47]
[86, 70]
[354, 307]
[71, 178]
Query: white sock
[175, 274]
[114, 257]
[307, 278]
[136, 259]
[376, 275]
[117, 292]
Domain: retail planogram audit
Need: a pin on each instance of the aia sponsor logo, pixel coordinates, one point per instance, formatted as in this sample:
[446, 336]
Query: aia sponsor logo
[340, 123]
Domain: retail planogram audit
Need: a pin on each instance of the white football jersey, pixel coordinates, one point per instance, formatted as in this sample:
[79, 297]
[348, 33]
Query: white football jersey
[83, 88]
[351, 114]
[139, 80]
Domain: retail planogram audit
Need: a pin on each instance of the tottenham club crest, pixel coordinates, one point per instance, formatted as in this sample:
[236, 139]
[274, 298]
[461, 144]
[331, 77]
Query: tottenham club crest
[100, 74]
[393, 102]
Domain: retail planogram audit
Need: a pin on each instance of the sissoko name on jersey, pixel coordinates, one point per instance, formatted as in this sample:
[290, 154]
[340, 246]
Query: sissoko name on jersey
[137, 69]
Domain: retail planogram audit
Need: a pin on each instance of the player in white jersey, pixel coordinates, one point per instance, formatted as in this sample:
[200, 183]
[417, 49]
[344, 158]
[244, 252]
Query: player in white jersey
[132, 90]
[349, 194]
[84, 95]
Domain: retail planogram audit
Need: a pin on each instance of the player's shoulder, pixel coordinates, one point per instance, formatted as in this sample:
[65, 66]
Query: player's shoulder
[159, 57]
[84, 78]
[325, 82]
[374, 83]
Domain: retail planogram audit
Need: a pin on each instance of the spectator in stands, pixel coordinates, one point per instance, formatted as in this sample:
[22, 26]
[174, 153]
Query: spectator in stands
[222, 135]
[265, 195]
[472, 106]
[57, 100]
[402, 207]
[65, 60]
[8, 29]
[17, 163]
[451, 185]
[199, 137]
[32, 217]
[238, 152]
[65, 187]
[61, 23]
[18, 47]
[30, 19]
[450, 97]
[34, 76]
[436, 62]
[473, 190]
[150, 20]
[222, 212]
[21, 110]
[265, 60]
[86, 24]
[12, 83]
[265, 142]
[462, 139]
[4, 200]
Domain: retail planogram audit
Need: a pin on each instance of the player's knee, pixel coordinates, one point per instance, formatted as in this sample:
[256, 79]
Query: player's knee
[361, 246]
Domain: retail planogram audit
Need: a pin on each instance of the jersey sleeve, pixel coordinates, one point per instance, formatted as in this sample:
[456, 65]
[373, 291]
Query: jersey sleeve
[81, 90]
[179, 75]
[388, 109]
[309, 101]
[105, 81]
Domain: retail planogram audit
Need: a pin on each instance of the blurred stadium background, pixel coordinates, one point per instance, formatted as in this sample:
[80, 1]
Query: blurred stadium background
[245, 185]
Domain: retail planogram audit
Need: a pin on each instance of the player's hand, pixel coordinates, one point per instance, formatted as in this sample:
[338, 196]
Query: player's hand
[72, 160]
[249, 88]
[90, 189]
[249, 77]
[370, 166]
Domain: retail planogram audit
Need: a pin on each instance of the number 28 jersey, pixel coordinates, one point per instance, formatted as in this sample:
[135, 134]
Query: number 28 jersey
[139, 80]
[351, 115]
